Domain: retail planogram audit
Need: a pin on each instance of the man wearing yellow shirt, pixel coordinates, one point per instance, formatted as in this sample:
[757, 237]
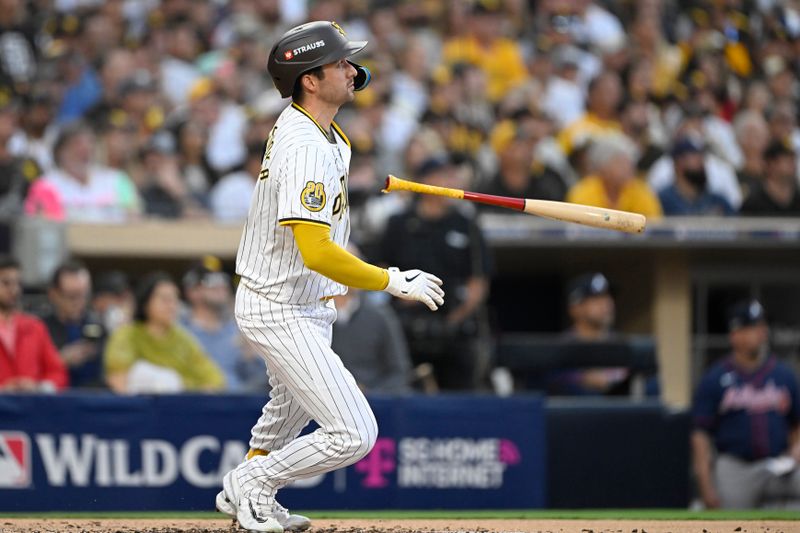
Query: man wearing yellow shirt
[498, 57]
[613, 183]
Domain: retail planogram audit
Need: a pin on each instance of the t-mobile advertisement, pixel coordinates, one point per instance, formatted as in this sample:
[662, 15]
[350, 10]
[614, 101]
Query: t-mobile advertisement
[102, 452]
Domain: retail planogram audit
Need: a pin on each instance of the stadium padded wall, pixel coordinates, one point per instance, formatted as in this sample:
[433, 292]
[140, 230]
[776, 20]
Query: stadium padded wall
[97, 452]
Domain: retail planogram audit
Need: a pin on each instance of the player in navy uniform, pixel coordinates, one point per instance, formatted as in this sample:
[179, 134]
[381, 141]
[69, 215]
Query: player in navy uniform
[747, 408]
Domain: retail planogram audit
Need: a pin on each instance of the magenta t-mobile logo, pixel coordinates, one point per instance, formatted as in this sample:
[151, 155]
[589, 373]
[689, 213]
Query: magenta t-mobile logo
[379, 462]
[508, 452]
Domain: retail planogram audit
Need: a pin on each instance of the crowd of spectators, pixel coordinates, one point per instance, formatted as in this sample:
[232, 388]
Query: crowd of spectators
[104, 334]
[113, 110]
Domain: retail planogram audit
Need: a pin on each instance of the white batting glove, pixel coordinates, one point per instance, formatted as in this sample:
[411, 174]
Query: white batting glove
[416, 285]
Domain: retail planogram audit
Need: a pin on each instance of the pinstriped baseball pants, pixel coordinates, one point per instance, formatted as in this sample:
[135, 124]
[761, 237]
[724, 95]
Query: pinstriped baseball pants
[308, 382]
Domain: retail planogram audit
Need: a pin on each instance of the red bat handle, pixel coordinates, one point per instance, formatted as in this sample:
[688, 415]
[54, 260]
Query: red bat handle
[491, 199]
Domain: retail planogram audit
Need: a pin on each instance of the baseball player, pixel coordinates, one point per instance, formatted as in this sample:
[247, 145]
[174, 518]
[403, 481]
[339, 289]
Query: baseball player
[292, 262]
[747, 409]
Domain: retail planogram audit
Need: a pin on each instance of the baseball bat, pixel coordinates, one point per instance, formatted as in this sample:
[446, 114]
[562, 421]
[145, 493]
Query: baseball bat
[587, 215]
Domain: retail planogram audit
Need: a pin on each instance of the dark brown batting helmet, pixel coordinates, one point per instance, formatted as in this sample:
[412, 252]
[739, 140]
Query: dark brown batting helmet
[309, 46]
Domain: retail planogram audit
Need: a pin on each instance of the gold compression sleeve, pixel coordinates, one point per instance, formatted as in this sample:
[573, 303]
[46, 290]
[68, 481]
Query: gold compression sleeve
[322, 255]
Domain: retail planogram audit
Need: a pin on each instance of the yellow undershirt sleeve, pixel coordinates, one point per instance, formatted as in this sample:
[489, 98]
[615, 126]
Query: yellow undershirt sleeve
[324, 256]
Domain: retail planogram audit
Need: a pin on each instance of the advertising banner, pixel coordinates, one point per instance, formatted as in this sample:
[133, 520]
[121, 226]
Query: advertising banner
[100, 452]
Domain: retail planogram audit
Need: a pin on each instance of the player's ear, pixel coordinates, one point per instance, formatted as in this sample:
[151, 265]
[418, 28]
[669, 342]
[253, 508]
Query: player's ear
[310, 83]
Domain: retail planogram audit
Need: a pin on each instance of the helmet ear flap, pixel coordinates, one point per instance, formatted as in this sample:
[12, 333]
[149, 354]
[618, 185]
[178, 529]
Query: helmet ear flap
[363, 76]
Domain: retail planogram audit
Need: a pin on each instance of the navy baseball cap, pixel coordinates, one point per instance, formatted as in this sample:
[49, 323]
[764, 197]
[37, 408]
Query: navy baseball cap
[746, 313]
[586, 285]
[432, 165]
[687, 145]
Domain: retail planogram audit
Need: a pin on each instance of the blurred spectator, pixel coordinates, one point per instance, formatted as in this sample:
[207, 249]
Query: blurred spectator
[154, 354]
[757, 97]
[483, 45]
[782, 119]
[38, 132]
[548, 166]
[138, 97]
[720, 137]
[519, 176]
[437, 235]
[409, 86]
[780, 78]
[119, 148]
[178, 72]
[29, 361]
[164, 192]
[192, 137]
[16, 173]
[613, 183]
[597, 27]
[746, 413]
[251, 36]
[263, 112]
[689, 194]
[230, 197]
[650, 41]
[564, 98]
[592, 313]
[642, 124]
[752, 134]
[210, 319]
[84, 191]
[83, 90]
[76, 332]
[370, 341]
[115, 66]
[600, 119]
[225, 121]
[776, 194]
[721, 176]
[18, 55]
[112, 300]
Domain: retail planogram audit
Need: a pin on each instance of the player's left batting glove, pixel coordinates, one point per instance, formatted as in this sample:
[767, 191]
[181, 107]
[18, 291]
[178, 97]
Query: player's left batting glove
[416, 285]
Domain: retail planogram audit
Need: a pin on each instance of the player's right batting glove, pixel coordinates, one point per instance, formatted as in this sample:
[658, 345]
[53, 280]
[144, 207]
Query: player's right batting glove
[416, 285]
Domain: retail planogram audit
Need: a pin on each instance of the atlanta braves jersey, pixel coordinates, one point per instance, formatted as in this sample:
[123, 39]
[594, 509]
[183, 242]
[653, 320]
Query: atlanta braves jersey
[749, 415]
[303, 179]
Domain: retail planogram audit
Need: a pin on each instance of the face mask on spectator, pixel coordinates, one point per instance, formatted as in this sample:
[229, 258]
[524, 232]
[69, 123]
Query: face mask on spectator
[697, 177]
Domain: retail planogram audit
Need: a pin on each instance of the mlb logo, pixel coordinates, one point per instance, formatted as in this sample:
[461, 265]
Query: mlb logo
[288, 55]
[15, 460]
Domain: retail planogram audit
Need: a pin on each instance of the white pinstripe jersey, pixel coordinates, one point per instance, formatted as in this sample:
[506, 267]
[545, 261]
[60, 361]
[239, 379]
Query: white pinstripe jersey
[303, 178]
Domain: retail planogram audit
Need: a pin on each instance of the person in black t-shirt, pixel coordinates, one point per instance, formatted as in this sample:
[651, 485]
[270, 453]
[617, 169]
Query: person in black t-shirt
[437, 236]
[78, 334]
[776, 195]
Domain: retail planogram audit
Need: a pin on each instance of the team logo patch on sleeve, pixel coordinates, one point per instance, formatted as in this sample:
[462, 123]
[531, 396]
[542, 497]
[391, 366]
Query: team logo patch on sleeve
[313, 196]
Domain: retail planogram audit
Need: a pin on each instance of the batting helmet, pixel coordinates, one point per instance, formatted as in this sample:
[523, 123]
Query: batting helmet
[309, 46]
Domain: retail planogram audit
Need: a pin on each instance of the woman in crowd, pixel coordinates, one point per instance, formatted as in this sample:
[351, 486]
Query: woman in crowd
[154, 354]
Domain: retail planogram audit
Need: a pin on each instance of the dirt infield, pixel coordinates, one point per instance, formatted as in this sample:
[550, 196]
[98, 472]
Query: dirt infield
[8, 525]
